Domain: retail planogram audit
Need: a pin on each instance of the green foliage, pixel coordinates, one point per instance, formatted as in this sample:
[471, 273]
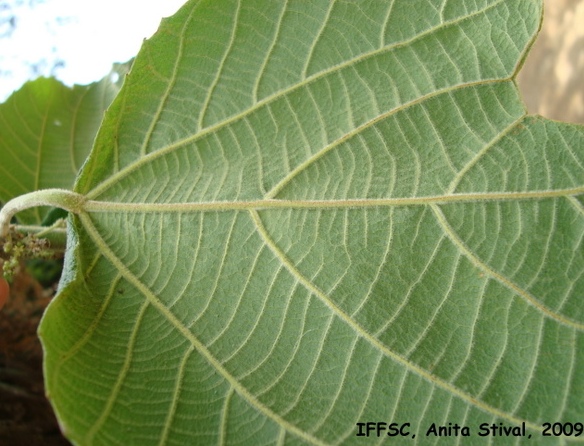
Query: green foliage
[47, 132]
[299, 216]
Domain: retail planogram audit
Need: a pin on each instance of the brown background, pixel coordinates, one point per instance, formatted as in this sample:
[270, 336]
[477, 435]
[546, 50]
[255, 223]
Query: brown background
[552, 78]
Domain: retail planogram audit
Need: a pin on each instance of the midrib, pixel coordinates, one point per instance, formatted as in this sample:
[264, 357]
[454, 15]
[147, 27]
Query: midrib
[113, 206]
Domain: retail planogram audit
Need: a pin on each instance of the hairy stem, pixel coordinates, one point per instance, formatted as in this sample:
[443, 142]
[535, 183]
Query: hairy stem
[61, 198]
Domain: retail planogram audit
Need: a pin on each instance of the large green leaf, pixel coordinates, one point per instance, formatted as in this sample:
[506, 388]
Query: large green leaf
[301, 216]
[46, 132]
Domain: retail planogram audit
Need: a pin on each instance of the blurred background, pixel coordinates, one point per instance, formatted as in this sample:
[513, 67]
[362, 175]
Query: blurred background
[76, 41]
[552, 78]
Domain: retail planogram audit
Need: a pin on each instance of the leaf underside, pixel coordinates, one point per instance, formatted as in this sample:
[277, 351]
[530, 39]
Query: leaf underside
[304, 215]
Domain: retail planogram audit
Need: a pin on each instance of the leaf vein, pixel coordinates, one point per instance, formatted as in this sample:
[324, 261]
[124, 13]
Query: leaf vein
[107, 410]
[441, 219]
[280, 94]
[151, 299]
[360, 331]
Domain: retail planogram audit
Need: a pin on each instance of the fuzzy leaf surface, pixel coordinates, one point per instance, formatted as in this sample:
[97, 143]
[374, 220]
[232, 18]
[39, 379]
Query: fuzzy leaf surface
[305, 215]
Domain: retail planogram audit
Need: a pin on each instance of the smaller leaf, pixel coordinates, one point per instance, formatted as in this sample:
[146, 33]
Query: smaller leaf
[46, 131]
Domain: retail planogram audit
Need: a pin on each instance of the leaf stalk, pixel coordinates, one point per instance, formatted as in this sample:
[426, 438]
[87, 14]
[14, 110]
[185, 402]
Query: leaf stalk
[61, 198]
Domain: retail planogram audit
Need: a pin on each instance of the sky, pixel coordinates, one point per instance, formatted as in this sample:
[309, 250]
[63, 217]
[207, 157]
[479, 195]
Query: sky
[77, 41]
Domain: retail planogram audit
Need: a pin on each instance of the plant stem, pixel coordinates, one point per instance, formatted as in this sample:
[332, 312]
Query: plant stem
[61, 198]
